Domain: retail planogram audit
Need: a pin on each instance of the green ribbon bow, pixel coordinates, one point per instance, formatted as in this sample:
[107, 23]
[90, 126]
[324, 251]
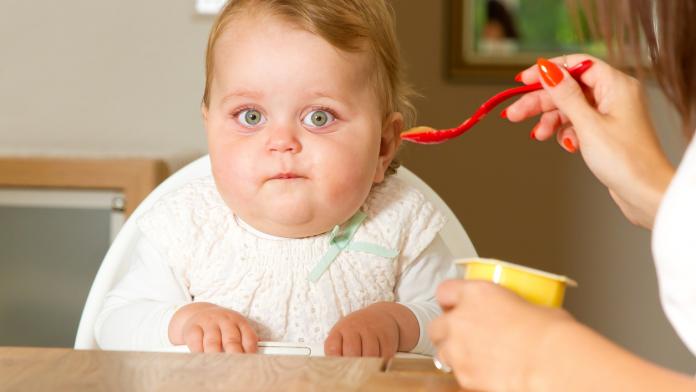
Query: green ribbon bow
[340, 241]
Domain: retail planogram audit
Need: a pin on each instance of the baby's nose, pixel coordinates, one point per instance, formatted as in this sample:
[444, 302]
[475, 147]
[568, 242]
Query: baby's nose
[284, 139]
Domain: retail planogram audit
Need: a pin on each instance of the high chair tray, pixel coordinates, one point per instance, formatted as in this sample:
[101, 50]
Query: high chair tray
[285, 348]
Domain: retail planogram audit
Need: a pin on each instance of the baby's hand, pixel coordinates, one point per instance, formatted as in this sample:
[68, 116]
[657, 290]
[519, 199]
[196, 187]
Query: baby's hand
[368, 332]
[205, 327]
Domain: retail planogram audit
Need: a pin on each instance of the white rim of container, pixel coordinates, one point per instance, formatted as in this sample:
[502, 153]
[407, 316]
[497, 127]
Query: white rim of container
[568, 281]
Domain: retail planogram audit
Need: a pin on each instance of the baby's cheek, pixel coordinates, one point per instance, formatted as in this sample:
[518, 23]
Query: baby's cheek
[350, 190]
[235, 184]
[234, 165]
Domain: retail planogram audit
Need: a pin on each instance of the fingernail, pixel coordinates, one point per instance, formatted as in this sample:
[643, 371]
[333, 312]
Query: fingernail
[569, 146]
[503, 114]
[549, 71]
[532, 135]
[518, 77]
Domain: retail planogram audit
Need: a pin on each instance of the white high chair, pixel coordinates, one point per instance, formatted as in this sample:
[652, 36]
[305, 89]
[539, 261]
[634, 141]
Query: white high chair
[116, 261]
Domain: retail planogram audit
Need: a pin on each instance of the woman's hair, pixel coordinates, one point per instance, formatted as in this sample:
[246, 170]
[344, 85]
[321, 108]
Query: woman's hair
[668, 28]
[349, 25]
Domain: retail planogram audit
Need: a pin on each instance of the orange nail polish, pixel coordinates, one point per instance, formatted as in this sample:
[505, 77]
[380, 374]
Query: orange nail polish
[503, 114]
[569, 146]
[532, 135]
[518, 77]
[550, 72]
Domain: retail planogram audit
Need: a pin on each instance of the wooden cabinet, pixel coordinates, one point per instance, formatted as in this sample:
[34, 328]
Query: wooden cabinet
[57, 219]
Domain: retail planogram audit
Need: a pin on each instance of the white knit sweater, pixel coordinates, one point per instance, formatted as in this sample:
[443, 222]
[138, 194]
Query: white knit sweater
[215, 258]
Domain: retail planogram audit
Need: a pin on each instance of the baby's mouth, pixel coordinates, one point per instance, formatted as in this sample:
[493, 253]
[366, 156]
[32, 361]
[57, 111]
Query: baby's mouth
[287, 176]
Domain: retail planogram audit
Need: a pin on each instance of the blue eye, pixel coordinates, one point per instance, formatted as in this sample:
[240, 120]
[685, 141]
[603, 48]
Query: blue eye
[250, 118]
[318, 118]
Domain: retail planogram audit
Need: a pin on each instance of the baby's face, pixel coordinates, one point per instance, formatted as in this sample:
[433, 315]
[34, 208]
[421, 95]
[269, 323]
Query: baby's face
[295, 129]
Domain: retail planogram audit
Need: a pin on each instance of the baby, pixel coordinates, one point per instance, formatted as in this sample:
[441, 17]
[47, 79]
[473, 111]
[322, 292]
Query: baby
[301, 234]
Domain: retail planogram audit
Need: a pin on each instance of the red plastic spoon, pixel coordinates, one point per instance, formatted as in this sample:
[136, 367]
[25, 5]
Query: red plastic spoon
[427, 135]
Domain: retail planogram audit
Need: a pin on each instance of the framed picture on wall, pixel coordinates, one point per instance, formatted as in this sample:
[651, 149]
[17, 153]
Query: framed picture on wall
[495, 39]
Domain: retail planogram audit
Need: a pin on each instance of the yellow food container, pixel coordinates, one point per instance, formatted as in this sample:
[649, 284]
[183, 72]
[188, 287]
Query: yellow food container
[536, 286]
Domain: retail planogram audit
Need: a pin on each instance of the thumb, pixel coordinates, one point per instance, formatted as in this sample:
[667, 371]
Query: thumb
[567, 95]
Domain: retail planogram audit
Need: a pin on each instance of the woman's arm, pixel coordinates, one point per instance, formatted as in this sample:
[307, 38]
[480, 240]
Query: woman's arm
[572, 357]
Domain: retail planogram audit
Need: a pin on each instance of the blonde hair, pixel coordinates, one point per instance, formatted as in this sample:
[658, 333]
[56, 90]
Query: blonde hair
[347, 25]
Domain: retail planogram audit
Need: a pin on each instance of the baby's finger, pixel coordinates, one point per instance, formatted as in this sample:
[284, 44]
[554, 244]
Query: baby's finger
[387, 346]
[333, 346]
[370, 345]
[352, 344]
[231, 338]
[249, 338]
[547, 126]
[194, 339]
[212, 339]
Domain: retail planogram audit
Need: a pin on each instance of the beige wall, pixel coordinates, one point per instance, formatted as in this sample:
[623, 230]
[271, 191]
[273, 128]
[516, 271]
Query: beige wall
[93, 77]
[124, 78]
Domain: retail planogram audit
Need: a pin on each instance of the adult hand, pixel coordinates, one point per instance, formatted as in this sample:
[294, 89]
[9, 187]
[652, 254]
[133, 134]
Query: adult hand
[206, 327]
[491, 337]
[607, 120]
[495, 340]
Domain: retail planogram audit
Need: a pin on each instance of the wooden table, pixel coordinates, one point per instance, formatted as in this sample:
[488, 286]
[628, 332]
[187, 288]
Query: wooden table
[58, 369]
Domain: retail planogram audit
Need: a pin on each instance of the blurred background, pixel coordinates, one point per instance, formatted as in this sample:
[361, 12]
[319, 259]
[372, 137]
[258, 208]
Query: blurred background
[86, 79]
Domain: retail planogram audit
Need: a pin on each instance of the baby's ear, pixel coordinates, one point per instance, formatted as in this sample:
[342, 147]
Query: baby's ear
[204, 114]
[389, 144]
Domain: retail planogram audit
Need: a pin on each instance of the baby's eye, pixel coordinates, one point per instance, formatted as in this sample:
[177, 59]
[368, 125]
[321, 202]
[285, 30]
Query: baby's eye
[318, 118]
[250, 118]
